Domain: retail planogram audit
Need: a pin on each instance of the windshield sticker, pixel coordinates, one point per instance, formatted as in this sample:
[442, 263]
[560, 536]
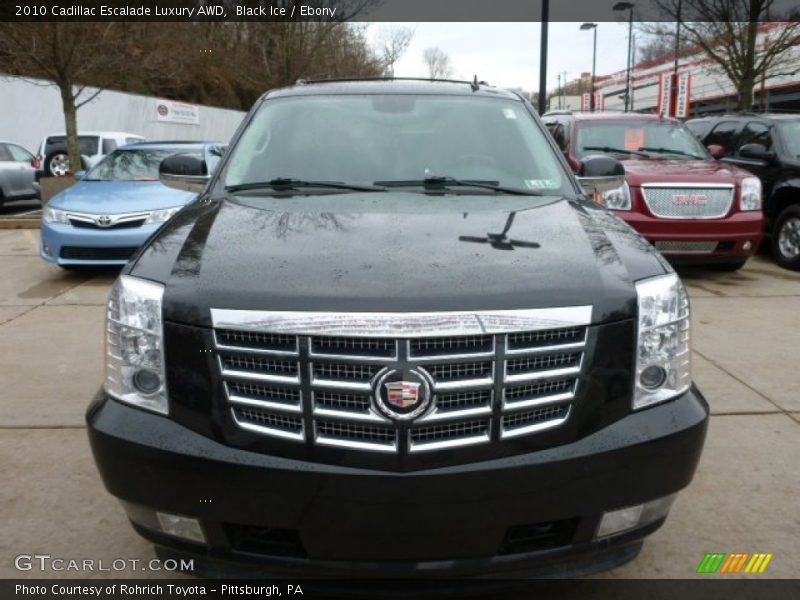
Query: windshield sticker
[634, 139]
[538, 184]
[509, 113]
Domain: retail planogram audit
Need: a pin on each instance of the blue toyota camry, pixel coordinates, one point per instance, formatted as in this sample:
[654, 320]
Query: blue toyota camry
[112, 209]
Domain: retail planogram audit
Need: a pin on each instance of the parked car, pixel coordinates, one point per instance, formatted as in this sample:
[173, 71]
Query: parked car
[694, 209]
[116, 206]
[52, 159]
[17, 173]
[393, 337]
[767, 145]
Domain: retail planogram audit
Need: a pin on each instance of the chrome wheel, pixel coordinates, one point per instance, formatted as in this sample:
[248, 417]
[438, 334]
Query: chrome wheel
[789, 238]
[59, 165]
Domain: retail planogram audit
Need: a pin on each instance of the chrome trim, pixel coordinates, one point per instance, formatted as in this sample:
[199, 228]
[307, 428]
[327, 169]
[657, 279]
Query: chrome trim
[544, 425]
[368, 417]
[226, 348]
[353, 445]
[352, 386]
[467, 441]
[437, 415]
[545, 349]
[536, 402]
[301, 436]
[446, 357]
[114, 219]
[251, 376]
[353, 357]
[536, 375]
[458, 384]
[294, 409]
[402, 325]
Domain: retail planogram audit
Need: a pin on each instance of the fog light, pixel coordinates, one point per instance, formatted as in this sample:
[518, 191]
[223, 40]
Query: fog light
[746, 246]
[182, 527]
[146, 381]
[653, 377]
[632, 517]
[46, 249]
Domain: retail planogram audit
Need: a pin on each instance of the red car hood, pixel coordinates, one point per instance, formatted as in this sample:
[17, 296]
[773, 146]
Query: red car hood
[639, 171]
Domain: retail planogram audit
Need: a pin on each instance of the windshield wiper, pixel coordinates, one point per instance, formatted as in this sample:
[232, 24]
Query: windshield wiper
[288, 183]
[668, 151]
[616, 150]
[443, 182]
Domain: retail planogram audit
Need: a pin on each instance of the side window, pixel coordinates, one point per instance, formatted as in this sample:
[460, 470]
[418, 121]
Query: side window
[559, 132]
[19, 154]
[109, 145]
[698, 129]
[724, 134]
[756, 133]
[5, 155]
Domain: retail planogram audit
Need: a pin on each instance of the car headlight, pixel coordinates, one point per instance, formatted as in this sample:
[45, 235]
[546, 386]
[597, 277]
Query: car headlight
[162, 215]
[618, 198]
[134, 344]
[663, 356]
[54, 215]
[751, 194]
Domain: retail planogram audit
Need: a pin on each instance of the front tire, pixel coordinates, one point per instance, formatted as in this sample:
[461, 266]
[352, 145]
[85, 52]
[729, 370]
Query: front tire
[786, 238]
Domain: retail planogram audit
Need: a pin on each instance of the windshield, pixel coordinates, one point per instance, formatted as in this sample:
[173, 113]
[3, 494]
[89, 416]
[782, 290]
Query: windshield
[396, 138]
[655, 138]
[130, 165]
[790, 133]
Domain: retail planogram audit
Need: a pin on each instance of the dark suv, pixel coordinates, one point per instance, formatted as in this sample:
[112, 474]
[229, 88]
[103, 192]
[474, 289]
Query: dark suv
[393, 336]
[767, 145]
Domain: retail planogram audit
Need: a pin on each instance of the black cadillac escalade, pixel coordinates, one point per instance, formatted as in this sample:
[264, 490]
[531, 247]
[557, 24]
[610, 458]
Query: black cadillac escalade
[394, 336]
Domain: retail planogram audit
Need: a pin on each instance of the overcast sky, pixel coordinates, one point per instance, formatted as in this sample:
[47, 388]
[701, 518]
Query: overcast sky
[507, 54]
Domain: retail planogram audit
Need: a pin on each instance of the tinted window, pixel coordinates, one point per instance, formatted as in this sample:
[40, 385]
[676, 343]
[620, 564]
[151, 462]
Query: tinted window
[109, 145]
[368, 138]
[130, 165]
[756, 133]
[724, 134]
[560, 133]
[790, 135]
[19, 154]
[656, 137]
[5, 155]
[87, 143]
[698, 128]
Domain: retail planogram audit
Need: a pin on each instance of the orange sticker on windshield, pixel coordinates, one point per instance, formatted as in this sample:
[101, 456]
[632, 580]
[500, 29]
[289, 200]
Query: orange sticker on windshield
[634, 139]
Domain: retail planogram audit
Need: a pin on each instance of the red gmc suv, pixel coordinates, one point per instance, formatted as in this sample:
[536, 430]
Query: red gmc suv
[693, 208]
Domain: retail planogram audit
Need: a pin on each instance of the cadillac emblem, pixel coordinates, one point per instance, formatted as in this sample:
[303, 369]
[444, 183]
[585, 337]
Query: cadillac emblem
[403, 394]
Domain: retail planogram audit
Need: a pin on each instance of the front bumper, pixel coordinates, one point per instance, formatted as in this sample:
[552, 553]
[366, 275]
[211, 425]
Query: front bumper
[452, 521]
[57, 236]
[737, 236]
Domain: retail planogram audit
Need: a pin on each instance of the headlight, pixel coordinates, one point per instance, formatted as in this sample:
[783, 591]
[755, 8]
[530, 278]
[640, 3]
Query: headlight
[618, 198]
[54, 215]
[663, 357]
[160, 216]
[134, 344]
[751, 194]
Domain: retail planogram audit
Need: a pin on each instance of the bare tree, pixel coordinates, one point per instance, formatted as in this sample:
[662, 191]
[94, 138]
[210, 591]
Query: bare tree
[393, 43]
[66, 54]
[438, 63]
[727, 31]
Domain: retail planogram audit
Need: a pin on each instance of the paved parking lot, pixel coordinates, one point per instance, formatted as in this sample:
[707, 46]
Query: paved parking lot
[744, 497]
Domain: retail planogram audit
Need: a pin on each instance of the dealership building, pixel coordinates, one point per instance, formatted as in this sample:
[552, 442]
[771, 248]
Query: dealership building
[710, 90]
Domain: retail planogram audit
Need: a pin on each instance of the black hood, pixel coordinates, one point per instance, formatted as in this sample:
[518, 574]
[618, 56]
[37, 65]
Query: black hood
[396, 252]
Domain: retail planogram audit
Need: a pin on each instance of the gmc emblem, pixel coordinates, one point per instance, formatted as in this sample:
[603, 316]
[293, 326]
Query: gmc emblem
[686, 199]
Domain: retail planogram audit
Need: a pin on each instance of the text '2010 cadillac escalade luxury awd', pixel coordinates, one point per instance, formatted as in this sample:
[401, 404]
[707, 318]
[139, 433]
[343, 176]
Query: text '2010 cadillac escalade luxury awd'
[393, 336]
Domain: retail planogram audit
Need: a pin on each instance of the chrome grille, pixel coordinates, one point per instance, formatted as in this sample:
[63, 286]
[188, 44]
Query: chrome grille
[515, 378]
[679, 246]
[675, 201]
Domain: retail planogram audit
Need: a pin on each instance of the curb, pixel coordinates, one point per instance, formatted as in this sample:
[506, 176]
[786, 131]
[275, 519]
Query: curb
[20, 222]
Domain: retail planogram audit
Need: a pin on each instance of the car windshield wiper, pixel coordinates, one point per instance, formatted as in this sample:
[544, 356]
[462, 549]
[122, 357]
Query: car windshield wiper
[440, 183]
[616, 150]
[668, 151]
[288, 183]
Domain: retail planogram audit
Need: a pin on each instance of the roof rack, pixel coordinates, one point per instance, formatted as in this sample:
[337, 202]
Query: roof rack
[474, 83]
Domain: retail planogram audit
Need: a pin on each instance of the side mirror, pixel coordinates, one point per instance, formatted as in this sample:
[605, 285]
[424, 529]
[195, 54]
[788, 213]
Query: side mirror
[79, 175]
[187, 172]
[600, 173]
[756, 152]
[716, 151]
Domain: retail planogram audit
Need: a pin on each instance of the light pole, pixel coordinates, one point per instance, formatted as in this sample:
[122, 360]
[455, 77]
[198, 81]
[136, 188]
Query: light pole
[543, 58]
[593, 27]
[620, 6]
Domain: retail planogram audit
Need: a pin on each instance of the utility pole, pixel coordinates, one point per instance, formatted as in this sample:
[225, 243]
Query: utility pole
[593, 27]
[543, 57]
[620, 6]
[564, 88]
